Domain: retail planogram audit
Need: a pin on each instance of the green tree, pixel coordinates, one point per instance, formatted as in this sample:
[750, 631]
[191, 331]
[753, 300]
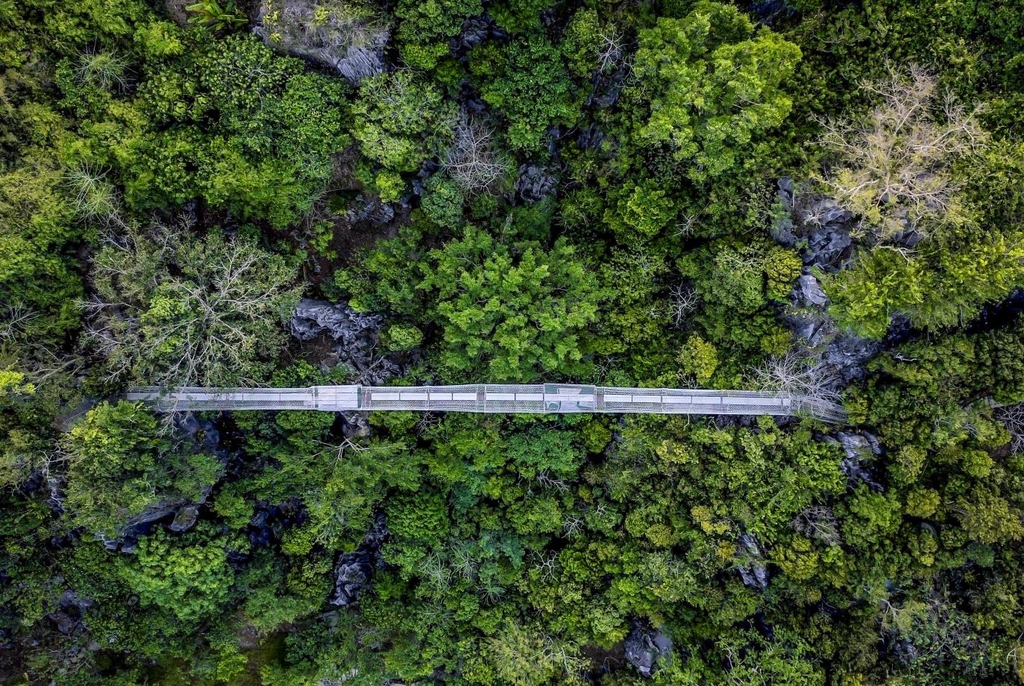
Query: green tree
[510, 313]
[643, 213]
[713, 85]
[38, 233]
[246, 129]
[400, 121]
[526, 656]
[187, 576]
[528, 83]
[427, 26]
[121, 464]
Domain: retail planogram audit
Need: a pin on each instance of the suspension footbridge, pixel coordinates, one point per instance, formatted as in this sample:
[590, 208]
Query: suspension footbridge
[492, 398]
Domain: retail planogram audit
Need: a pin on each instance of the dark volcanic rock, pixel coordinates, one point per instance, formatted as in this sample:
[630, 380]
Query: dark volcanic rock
[184, 519]
[355, 425]
[69, 613]
[354, 571]
[334, 34]
[753, 571]
[860, 450]
[355, 335]
[368, 209]
[534, 183]
[355, 329]
[646, 648]
[475, 30]
[808, 292]
[828, 248]
[847, 357]
[819, 226]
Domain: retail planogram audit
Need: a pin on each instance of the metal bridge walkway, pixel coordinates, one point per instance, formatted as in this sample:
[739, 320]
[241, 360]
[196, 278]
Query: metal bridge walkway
[491, 398]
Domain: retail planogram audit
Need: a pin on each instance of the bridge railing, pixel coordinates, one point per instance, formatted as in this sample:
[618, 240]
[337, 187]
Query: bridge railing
[492, 398]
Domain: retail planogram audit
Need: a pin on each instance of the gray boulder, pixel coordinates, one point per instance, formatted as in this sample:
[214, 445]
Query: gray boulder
[646, 648]
[815, 223]
[828, 248]
[356, 330]
[847, 357]
[184, 519]
[534, 183]
[476, 30]
[859, 446]
[353, 572]
[355, 335]
[344, 36]
[355, 425]
[808, 292]
[369, 209]
[860, 450]
[752, 569]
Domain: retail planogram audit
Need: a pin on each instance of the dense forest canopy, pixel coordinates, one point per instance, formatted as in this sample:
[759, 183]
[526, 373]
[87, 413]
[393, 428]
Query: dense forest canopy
[815, 197]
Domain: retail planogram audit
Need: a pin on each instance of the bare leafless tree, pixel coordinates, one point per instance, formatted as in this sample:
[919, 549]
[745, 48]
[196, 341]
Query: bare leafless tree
[800, 376]
[472, 160]
[684, 300]
[610, 52]
[894, 167]
[545, 563]
[13, 319]
[546, 480]
[1013, 418]
[173, 309]
[573, 526]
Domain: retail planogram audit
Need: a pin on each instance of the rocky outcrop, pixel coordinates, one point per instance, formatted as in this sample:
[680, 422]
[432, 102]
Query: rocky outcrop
[178, 11]
[475, 30]
[752, 568]
[177, 513]
[816, 225]
[369, 209]
[356, 330]
[847, 356]
[820, 229]
[355, 336]
[355, 425]
[67, 618]
[353, 571]
[184, 519]
[646, 648]
[269, 522]
[808, 292]
[860, 450]
[340, 35]
[534, 183]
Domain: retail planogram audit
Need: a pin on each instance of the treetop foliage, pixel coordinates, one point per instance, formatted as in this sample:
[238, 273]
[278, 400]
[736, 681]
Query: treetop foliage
[814, 198]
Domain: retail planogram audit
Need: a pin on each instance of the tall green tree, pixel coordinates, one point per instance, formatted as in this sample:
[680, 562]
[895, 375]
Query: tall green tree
[712, 85]
[511, 312]
[122, 464]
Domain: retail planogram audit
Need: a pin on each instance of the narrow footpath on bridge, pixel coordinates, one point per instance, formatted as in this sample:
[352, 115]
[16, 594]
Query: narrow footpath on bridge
[491, 398]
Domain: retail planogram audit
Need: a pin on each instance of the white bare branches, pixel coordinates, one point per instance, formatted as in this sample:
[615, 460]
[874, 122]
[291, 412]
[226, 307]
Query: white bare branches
[1013, 419]
[683, 301]
[610, 52]
[13, 319]
[894, 167]
[472, 161]
[796, 375]
[172, 309]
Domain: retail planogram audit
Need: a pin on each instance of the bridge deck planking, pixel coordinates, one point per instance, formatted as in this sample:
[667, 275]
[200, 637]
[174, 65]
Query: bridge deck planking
[490, 398]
